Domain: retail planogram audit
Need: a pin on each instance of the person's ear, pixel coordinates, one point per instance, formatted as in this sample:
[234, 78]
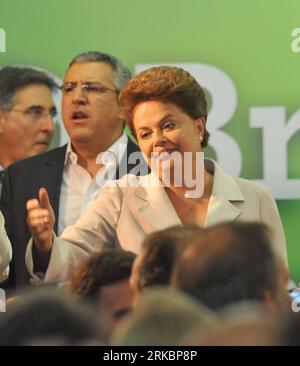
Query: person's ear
[200, 124]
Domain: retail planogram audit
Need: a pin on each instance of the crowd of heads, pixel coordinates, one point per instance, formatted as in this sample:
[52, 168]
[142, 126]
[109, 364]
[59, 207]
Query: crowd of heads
[221, 285]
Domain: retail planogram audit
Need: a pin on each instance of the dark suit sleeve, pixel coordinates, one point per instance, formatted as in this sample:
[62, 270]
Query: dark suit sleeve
[21, 182]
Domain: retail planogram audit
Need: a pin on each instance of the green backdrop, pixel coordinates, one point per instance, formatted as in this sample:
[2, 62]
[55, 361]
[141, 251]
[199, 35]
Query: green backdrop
[249, 40]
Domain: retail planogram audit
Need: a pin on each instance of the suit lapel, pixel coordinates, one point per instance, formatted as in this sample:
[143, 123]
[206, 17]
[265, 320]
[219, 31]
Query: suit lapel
[225, 192]
[154, 205]
[51, 178]
[220, 210]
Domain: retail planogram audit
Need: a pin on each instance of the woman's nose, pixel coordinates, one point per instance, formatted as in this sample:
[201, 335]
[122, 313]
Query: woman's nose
[160, 139]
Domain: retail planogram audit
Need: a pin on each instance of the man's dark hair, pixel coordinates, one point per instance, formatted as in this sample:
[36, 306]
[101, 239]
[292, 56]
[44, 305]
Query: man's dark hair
[12, 78]
[160, 251]
[229, 262]
[101, 269]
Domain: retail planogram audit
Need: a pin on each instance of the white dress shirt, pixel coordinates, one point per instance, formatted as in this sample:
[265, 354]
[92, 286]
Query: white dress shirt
[5, 251]
[79, 189]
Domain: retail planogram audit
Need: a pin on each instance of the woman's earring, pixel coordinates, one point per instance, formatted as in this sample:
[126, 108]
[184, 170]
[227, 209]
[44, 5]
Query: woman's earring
[201, 138]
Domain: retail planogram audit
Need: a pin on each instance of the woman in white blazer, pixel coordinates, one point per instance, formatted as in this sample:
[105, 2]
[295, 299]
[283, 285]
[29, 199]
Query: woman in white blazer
[5, 251]
[166, 111]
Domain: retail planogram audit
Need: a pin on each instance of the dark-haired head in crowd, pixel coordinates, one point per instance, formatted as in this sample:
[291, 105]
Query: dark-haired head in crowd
[103, 280]
[154, 264]
[233, 262]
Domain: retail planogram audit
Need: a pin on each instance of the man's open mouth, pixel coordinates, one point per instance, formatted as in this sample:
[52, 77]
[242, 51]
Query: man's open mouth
[79, 115]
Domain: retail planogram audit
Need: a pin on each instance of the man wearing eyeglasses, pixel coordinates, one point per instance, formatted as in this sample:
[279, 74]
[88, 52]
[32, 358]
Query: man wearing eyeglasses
[71, 174]
[27, 111]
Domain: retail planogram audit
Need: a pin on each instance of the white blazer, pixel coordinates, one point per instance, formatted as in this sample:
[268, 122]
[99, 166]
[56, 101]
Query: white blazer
[5, 251]
[124, 214]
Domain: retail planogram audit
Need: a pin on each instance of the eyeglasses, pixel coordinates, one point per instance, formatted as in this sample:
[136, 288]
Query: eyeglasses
[87, 87]
[37, 114]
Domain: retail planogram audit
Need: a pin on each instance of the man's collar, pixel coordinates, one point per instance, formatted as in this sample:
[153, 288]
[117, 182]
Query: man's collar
[118, 148]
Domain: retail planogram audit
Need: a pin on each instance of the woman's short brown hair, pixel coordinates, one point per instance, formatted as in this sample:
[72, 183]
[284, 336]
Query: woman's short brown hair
[165, 84]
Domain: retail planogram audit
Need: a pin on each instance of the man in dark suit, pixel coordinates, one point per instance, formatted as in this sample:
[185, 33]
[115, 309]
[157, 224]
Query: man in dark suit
[91, 115]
